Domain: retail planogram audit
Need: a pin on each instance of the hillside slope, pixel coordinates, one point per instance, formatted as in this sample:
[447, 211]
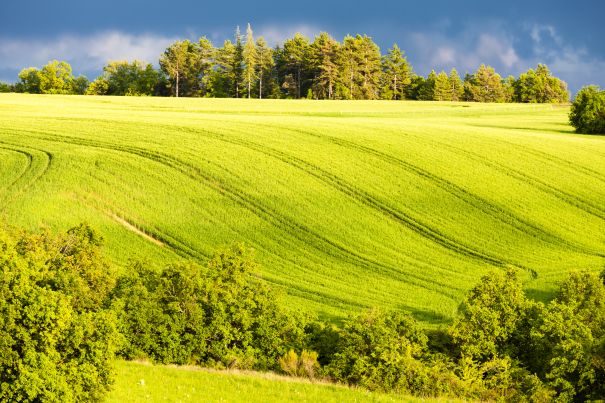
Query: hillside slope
[348, 204]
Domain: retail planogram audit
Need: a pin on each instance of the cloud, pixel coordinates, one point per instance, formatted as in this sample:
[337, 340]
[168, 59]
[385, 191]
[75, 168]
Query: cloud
[466, 50]
[275, 34]
[508, 51]
[85, 53]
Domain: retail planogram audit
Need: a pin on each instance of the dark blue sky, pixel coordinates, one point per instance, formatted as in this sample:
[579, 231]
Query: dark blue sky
[512, 36]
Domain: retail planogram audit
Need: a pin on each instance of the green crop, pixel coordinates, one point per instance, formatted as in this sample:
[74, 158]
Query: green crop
[348, 205]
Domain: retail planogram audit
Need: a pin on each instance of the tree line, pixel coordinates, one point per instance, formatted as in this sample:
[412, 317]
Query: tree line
[66, 313]
[324, 68]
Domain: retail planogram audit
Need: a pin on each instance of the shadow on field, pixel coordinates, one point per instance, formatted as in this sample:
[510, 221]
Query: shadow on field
[569, 129]
[426, 315]
[540, 295]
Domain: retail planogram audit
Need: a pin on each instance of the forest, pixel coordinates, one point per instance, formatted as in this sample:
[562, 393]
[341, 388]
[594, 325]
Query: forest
[324, 68]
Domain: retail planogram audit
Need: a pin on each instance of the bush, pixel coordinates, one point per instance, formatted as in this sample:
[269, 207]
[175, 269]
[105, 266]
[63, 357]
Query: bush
[305, 365]
[380, 351]
[491, 316]
[56, 340]
[587, 113]
[220, 315]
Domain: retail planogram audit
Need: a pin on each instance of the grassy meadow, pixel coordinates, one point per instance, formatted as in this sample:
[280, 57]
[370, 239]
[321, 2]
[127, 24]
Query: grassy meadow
[140, 382]
[348, 205]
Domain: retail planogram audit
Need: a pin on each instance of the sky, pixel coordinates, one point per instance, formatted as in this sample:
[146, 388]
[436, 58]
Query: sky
[511, 35]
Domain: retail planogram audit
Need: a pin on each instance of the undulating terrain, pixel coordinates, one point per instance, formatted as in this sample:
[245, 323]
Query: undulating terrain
[347, 204]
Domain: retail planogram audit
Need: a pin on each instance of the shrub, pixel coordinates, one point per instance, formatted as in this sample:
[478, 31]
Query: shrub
[56, 340]
[220, 315]
[587, 113]
[305, 365]
[491, 316]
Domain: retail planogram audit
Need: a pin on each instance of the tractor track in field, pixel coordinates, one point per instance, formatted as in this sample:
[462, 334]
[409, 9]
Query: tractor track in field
[498, 212]
[367, 200]
[248, 202]
[558, 161]
[31, 158]
[487, 207]
[564, 196]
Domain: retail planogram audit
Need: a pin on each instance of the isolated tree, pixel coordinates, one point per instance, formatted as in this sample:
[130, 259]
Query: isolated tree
[323, 59]
[456, 85]
[250, 56]
[397, 74]
[265, 66]
[587, 113]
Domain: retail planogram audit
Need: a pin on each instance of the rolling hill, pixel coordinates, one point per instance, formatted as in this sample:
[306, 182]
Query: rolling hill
[348, 204]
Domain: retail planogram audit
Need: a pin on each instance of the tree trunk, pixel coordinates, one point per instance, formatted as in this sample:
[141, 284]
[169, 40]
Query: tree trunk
[298, 83]
[177, 83]
[260, 85]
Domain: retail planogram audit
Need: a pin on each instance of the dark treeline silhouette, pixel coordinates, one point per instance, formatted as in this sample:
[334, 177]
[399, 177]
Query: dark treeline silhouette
[297, 68]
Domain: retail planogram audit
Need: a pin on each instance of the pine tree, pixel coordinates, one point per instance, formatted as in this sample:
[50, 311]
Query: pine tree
[295, 53]
[222, 77]
[485, 86]
[456, 85]
[238, 60]
[349, 66]
[206, 59]
[265, 63]
[442, 90]
[250, 57]
[369, 66]
[427, 91]
[397, 74]
[323, 58]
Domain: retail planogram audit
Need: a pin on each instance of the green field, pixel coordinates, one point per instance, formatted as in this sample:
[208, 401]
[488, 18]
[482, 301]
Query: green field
[347, 204]
[137, 382]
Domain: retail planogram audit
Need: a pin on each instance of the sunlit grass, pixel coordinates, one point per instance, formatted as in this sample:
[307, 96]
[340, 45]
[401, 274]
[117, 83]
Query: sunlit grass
[348, 204]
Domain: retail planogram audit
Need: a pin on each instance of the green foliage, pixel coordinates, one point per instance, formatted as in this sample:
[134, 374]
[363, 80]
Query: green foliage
[484, 86]
[443, 88]
[29, 81]
[490, 315]
[220, 315]
[456, 85]
[587, 113]
[181, 63]
[124, 78]
[323, 59]
[56, 340]
[540, 86]
[250, 60]
[381, 351]
[4, 87]
[396, 74]
[305, 365]
[54, 78]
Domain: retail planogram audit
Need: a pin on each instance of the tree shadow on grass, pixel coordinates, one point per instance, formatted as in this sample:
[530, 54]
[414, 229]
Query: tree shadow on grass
[427, 316]
[540, 295]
